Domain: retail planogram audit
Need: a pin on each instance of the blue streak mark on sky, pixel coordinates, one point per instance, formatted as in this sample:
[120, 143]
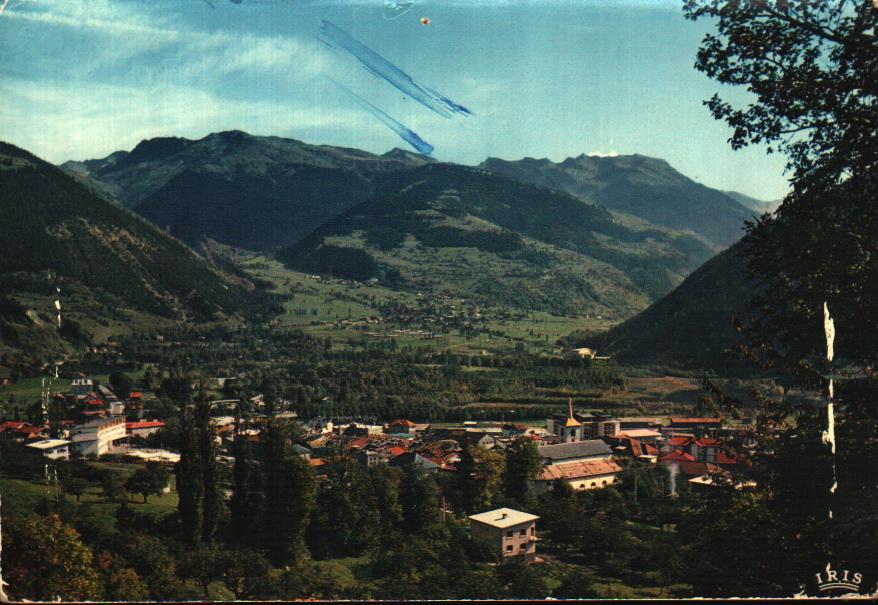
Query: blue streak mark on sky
[406, 134]
[390, 73]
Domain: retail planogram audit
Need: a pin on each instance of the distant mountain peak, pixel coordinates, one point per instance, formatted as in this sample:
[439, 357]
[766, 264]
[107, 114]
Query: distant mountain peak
[158, 148]
[405, 155]
[230, 136]
[646, 187]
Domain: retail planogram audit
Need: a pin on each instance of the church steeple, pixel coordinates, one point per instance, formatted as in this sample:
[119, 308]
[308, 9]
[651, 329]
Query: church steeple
[571, 421]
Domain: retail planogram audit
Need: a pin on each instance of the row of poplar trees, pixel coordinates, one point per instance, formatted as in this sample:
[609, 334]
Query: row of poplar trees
[273, 488]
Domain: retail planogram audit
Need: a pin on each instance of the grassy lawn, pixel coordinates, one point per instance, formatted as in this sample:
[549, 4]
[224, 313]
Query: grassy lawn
[22, 497]
[30, 389]
[26, 391]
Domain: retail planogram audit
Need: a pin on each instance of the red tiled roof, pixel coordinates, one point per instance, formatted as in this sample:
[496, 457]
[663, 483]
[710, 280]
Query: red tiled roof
[144, 424]
[677, 456]
[579, 470]
[396, 451]
[697, 469]
[682, 440]
[639, 448]
[434, 460]
[359, 442]
[403, 422]
[95, 402]
[316, 462]
[708, 442]
[723, 458]
[134, 395]
[10, 425]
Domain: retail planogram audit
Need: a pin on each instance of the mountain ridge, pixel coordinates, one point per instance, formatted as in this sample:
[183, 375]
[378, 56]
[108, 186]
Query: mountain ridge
[488, 234]
[119, 261]
[646, 187]
[249, 191]
[692, 326]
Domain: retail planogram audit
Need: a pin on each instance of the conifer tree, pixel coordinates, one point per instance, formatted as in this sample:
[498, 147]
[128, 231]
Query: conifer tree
[290, 489]
[190, 488]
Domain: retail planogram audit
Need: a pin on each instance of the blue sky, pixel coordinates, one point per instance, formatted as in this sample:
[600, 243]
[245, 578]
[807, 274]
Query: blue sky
[82, 78]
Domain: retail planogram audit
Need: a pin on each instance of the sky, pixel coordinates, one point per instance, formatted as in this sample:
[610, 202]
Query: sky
[550, 79]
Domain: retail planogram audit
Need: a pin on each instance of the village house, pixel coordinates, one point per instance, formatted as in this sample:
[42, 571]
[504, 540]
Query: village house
[507, 532]
[478, 438]
[22, 431]
[403, 427]
[682, 466]
[470, 435]
[416, 460]
[369, 457]
[319, 425]
[303, 452]
[703, 449]
[643, 435]
[633, 448]
[53, 449]
[513, 430]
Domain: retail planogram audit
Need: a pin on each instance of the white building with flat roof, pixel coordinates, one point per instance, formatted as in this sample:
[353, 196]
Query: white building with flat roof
[509, 532]
[54, 449]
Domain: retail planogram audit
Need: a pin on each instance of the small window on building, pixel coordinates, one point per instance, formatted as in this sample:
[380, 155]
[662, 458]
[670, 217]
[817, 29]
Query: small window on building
[509, 534]
[523, 532]
[509, 548]
[533, 530]
[593, 484]
[604, 483]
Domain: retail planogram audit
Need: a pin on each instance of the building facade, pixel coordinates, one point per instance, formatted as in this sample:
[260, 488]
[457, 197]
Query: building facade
[99, 437]
[507, 532]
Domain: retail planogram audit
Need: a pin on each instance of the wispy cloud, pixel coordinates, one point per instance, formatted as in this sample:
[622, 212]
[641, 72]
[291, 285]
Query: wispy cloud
[142, 30]
[162, 77]
[80, 122]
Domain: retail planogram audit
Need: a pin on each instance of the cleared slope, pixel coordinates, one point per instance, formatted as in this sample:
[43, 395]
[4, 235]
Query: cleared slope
[446, 228]
[96, 251]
